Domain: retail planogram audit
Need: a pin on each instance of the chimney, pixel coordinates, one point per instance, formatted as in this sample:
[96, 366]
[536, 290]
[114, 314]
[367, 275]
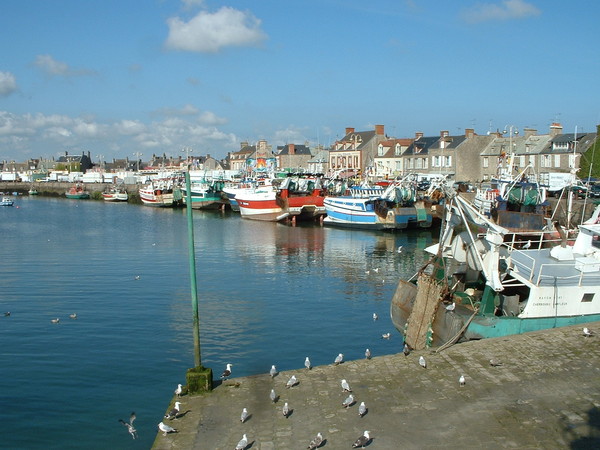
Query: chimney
[418, 135]
[349, 131]
[291, 149]
[528, 132]
[469, 133]
[243, 144]
[444, 133]
[379, 130]
[555, 129]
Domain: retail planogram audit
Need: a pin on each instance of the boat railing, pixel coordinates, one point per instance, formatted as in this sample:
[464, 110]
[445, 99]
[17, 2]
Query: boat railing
[554, 278]
[524, 267]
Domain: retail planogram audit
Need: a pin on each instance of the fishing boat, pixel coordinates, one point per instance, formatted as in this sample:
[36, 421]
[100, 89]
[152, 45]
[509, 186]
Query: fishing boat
[32, 190]
[232, 190]
[7, 201]
[377, 208]
[115, 194]
[478, 286]
[205, 195]
[158, 193]
[296, 198]
[77, 192]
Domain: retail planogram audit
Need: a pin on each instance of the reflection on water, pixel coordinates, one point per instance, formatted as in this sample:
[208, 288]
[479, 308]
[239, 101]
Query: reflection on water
[268, 294]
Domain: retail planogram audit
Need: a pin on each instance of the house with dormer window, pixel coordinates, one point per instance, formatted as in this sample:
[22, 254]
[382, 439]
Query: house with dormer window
[356, 151]
[388, 162]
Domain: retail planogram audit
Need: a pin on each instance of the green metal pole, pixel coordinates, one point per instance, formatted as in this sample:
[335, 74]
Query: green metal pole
[192, 258]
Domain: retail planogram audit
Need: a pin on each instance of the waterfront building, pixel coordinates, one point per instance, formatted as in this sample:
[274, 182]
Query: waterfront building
[388, 162]
[356, 151]
[293, 157]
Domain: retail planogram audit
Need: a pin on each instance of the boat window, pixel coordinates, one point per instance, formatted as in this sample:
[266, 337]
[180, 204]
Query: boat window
[587, 297]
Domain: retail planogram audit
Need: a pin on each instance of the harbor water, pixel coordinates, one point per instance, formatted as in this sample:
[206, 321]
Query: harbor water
[268, 294]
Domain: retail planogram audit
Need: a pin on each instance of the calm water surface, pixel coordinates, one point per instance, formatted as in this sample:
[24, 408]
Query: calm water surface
[268, 294]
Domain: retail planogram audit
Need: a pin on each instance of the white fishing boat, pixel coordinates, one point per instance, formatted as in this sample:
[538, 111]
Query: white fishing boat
[158, 193]
[7, 201]
[115, 194]
[478, 286]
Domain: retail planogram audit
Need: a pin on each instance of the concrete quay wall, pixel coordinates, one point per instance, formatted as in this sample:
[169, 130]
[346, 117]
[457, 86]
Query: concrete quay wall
[546, 394]
[58, 189]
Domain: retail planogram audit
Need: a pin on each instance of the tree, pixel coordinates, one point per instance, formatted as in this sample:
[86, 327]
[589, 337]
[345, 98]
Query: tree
[591, 159]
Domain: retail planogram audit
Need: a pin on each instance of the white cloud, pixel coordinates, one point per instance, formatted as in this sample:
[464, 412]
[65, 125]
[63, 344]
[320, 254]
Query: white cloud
[8, 84]
[210, 32]
[52, 67]
[192, 3]
[505, 10]
[129, 127]
[210, 118]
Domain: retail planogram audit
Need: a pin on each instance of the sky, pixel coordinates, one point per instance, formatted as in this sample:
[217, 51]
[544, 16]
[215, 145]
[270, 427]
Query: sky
[122, 78]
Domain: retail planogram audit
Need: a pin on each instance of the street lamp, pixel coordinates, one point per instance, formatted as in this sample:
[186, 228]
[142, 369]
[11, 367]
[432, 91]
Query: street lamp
[512, 130]
[138, 155]
[187, 151]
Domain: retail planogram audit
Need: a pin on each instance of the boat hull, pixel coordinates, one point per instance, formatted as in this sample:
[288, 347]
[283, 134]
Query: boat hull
[462, 325]
[115, 197]
[80, 196]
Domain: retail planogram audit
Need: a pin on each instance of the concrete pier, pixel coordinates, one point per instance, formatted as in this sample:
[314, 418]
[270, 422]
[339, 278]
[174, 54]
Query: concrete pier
[546, 394]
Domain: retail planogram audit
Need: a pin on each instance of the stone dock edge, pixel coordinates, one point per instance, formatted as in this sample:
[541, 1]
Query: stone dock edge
[545, 394]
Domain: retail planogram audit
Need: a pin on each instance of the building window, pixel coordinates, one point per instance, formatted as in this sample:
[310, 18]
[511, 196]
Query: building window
[425, 163]
[532, 161]
[556, 160]
[486, 162]
[419, 163]
[399, 165]
[448, 161]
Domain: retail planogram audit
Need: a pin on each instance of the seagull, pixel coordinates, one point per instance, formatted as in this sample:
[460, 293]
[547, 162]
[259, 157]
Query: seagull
[367, 272]
[339, 359]
[316, 442]
[422, 362]
[375, 316]
[461, 380]
[7, 313]
[166, 428]
[55, 320]
[451, 307]
[368, 354]
[386, 336]
[285, 410]
[243, 443]
[399, 249]
[273, 396]
[376, 270]
[73, 316]
[346, 386]
[495, 363]
[406, 349]
[362, 441]
[307, 363]
[244, 415]
[174, 412]
[179, 390]
[362, 409]
[348, 402]
[527, 245]
[273, 371]
[137, 277]
[227, 372]
[291, 382]
[132, 431]
[587, 332]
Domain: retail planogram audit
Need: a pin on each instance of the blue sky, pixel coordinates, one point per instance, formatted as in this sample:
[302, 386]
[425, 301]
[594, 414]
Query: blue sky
[117, 77]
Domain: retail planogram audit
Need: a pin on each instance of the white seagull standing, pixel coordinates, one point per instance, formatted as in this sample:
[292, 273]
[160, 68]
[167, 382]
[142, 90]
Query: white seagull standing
[291, 382]
[339, 359]
[587, 332]
[243, 443]
[244, 415]
[406, 349]
[348, 402]
[174, 412]
[307, 363]
[316, 442]
[132, 431]
[368, 354]
[362, 441]
[422, 362]
[286, 410]
[166, 428]
[527, 245]
[227, 372]
[362, 409]
[451, 307]
[179, 390]
[399, 249]
[345, 386]
[461, 381]
[375, 316]
[273, 371]
[273, 396]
